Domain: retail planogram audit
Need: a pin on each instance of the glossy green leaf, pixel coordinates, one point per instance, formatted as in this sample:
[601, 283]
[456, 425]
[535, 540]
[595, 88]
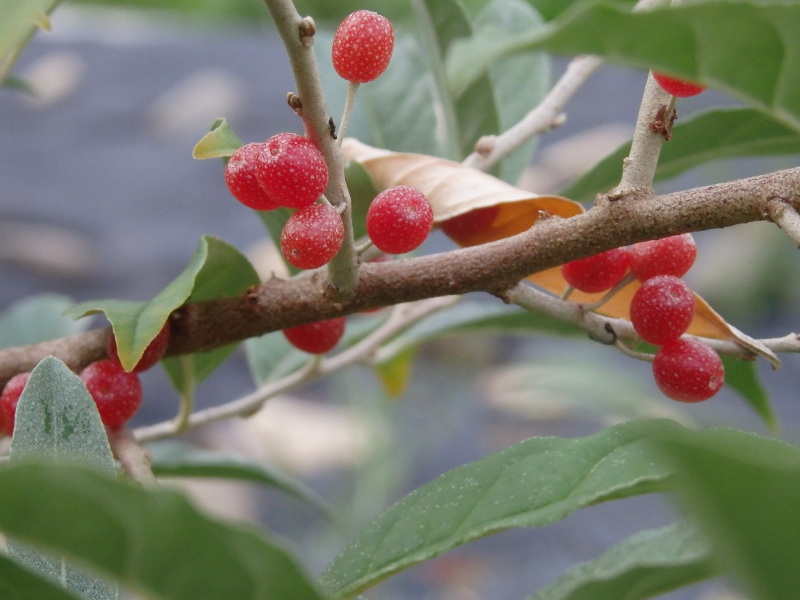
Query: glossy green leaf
[698, 139]
[693, 41]
[742, 376]
[645, 565]
[216, 269]
[18, 583]
[535, 482]
[37, 319]
[152, 540]
[57, 420]
[178, 459]
[744, 491]
[219, 142]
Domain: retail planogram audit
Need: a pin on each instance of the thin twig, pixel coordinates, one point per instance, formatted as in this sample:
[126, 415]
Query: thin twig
[785, 217]
[134, 459]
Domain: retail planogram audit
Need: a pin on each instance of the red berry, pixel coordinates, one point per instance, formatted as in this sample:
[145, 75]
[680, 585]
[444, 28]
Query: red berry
[9, 399]
[312, 236]
[291, 170]
[152, 354]
[688, 371]
[362, 46]
[678, 87]
[117, 393]
[672, 255]
[240, 177]
[399, 219]
[597, 273]
[316, 338]
[662, 309]
[463, 227]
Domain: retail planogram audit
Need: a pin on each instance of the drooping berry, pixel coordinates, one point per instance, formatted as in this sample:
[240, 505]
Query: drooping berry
[672, 255]
[152, 354]
[662, 309]
[291, 170]
[240, 177]
[316, 338]
[597, 273]
[466, 226]
[678, 87]
[9, 399]
[688, 371]
[312, 236]
[362, 46]
[117, 393]
[399, 219]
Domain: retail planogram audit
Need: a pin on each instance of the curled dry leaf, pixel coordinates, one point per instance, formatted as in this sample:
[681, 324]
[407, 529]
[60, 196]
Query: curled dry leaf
[454, 190]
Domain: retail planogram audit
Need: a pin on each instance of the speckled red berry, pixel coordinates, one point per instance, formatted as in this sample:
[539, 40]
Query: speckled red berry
[597, 273]
[678, 87]
[117, 393]
[362, 46]
[9, 399]
[399, 219]
[291, 170]
[688, 371]
[672, 255]
[312, 236]
[240, 177]
[316, 338]
[662, 309]
[152, 354]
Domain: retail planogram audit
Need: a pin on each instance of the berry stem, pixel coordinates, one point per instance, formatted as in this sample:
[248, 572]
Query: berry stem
[786, 217]
[610, 293]
[134, 460]
[186, 397]
[349, 102]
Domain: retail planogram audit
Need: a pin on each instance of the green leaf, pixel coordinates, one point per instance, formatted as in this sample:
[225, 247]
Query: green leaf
[19, 20]
[152, 540]
[57, 420]
[18, 583]
[362, 192]
[645, 565]
[274, 221]
[216, 269]
[742, 376]
[535, 482]
[178, 459]
[219, 142]
[711, 135]
[744, 492]
[37, 319]
[695, 41]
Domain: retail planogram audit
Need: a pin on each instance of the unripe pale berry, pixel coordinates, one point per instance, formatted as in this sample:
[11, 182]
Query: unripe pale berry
[597, 273]
[291, 170]
[312, 236]
[362, 46]
[662, 309]
[117, 393]
[399, 219]
[678, 87]
[316, 338]
[688, 370]
[9, 399]
[152, 354]
[672, 255]
[240, 177]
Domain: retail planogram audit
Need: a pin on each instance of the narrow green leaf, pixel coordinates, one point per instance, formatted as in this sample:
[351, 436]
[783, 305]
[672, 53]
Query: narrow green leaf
[742, 376]
[37, 319]
[178, 459]
[219, 142]
[154, 541]
[18, 21]
[744, 491]
[692, 41]
[711, 135]
[535, 482]
[18, 583]
[645, 565]
[57, 420]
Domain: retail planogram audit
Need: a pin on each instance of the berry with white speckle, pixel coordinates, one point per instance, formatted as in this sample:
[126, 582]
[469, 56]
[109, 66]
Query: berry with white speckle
[291, 170]
[399, 219]
[362, 46]
[312, 236]
[688, 371]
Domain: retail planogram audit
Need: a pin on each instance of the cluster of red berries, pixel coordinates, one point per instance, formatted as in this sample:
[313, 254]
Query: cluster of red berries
[116, 392]
[661, 310]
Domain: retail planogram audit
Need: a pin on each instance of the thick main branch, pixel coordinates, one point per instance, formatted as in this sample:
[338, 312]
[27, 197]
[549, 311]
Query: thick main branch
[491, 268]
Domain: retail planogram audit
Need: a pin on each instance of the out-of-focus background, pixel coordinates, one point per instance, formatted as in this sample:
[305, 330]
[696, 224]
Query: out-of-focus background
[100, 198]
